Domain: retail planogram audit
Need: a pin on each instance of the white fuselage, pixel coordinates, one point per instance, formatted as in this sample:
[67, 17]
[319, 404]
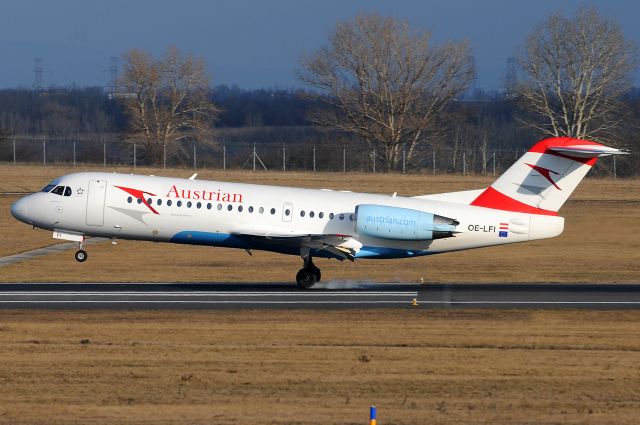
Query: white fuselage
[231, 214]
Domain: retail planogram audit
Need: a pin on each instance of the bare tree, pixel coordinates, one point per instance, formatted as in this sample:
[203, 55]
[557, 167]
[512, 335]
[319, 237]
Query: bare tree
[576, 71]
[166, 99]
[384, 82]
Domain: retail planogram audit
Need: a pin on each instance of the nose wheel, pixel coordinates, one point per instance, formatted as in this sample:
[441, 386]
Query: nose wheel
[81, 256]
[308, 275]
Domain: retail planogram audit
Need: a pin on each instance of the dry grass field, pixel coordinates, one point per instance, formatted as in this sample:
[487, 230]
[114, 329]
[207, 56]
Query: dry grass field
[418, 366]
[601, 241]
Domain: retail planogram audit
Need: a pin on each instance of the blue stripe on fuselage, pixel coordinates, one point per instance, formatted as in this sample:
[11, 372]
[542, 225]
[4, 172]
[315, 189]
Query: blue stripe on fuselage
[250, 242]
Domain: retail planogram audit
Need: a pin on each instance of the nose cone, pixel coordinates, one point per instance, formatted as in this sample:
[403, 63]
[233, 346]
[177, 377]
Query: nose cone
[20, 210]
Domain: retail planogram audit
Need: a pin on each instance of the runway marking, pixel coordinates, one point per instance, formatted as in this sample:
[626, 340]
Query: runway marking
[529, 302]
[212, 294]
[173, 301]
[196, 302]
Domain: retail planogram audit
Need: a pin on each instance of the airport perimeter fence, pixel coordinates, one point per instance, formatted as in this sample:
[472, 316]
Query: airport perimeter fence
[109, 151]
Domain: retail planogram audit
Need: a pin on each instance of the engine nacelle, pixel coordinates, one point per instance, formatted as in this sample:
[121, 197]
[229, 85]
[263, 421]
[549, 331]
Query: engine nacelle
[405, 224]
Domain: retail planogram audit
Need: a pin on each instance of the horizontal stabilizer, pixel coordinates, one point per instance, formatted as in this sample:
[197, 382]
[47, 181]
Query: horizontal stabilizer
[464, 197]
[586, 151]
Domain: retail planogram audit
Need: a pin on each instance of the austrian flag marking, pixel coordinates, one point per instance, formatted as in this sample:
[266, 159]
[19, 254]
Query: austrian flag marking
[503, 230]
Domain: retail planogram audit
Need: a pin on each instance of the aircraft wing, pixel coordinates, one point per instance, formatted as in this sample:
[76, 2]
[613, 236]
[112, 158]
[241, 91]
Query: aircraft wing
[342, 247]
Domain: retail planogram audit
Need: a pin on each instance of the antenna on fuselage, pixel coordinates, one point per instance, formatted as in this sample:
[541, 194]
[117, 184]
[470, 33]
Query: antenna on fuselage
[193, 177]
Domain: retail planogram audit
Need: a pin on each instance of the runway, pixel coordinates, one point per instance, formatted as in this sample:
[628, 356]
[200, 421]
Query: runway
[332, 295]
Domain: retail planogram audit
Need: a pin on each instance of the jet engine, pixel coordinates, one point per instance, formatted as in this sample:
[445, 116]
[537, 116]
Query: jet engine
[405, 224]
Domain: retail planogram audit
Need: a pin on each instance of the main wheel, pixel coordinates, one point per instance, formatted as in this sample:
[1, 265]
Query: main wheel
[306, 278]
[81, 256]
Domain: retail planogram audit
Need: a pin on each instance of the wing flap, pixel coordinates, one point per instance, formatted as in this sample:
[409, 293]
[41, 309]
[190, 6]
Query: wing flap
[342, 247]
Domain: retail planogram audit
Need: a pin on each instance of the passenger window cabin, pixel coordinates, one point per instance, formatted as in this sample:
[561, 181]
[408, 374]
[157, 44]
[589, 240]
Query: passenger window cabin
[67, 191]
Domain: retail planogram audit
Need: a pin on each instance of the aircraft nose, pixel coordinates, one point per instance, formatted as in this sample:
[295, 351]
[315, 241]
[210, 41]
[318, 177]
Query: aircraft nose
[20, 210]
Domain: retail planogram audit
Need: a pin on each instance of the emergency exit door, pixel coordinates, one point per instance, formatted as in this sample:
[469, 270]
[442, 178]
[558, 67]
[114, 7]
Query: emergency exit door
[287, 211]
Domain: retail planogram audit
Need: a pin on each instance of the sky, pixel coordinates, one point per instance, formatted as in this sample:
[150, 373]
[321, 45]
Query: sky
[254, 43]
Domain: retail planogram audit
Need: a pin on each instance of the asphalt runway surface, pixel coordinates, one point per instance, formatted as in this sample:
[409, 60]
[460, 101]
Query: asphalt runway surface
[331, 295]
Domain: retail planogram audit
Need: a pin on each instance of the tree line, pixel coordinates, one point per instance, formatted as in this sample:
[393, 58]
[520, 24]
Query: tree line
[376, 82]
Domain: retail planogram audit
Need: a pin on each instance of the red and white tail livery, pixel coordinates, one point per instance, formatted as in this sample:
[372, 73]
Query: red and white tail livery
[521, 205]
[542, 180]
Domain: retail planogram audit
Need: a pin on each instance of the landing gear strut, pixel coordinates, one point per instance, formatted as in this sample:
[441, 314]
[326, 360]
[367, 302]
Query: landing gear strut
[309, 274]
[81, 255]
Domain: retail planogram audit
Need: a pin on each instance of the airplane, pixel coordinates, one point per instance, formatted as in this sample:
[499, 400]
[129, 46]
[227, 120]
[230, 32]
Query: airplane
[521, 205]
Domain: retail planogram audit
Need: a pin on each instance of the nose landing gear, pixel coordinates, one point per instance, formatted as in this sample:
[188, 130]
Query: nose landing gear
[309, 274]
[81, 255]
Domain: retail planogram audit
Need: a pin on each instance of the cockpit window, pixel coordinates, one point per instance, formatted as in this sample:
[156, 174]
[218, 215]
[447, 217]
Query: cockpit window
[48, 188]
[59, 190]
[67, 191]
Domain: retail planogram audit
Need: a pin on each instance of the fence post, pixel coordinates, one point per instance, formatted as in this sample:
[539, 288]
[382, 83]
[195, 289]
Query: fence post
[374, 159]
[224, 156]
[44, 150]
[254, 157]
[404, 160]
[615, 174]
[14, 150]
[134, 156]
[314, 158]
[194, 155]
[284, 158]
[494, 163]
[164, 154]
[74, 153]
[344, 159]
[464, 163]
[434, 161]
[104, 154]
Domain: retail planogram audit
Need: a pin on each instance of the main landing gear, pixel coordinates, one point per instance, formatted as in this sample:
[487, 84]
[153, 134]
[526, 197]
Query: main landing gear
[309, 274]
[81, 255]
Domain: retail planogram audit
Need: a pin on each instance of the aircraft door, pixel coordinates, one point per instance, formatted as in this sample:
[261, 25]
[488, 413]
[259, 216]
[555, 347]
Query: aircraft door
[95, 202]
[287, 211]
